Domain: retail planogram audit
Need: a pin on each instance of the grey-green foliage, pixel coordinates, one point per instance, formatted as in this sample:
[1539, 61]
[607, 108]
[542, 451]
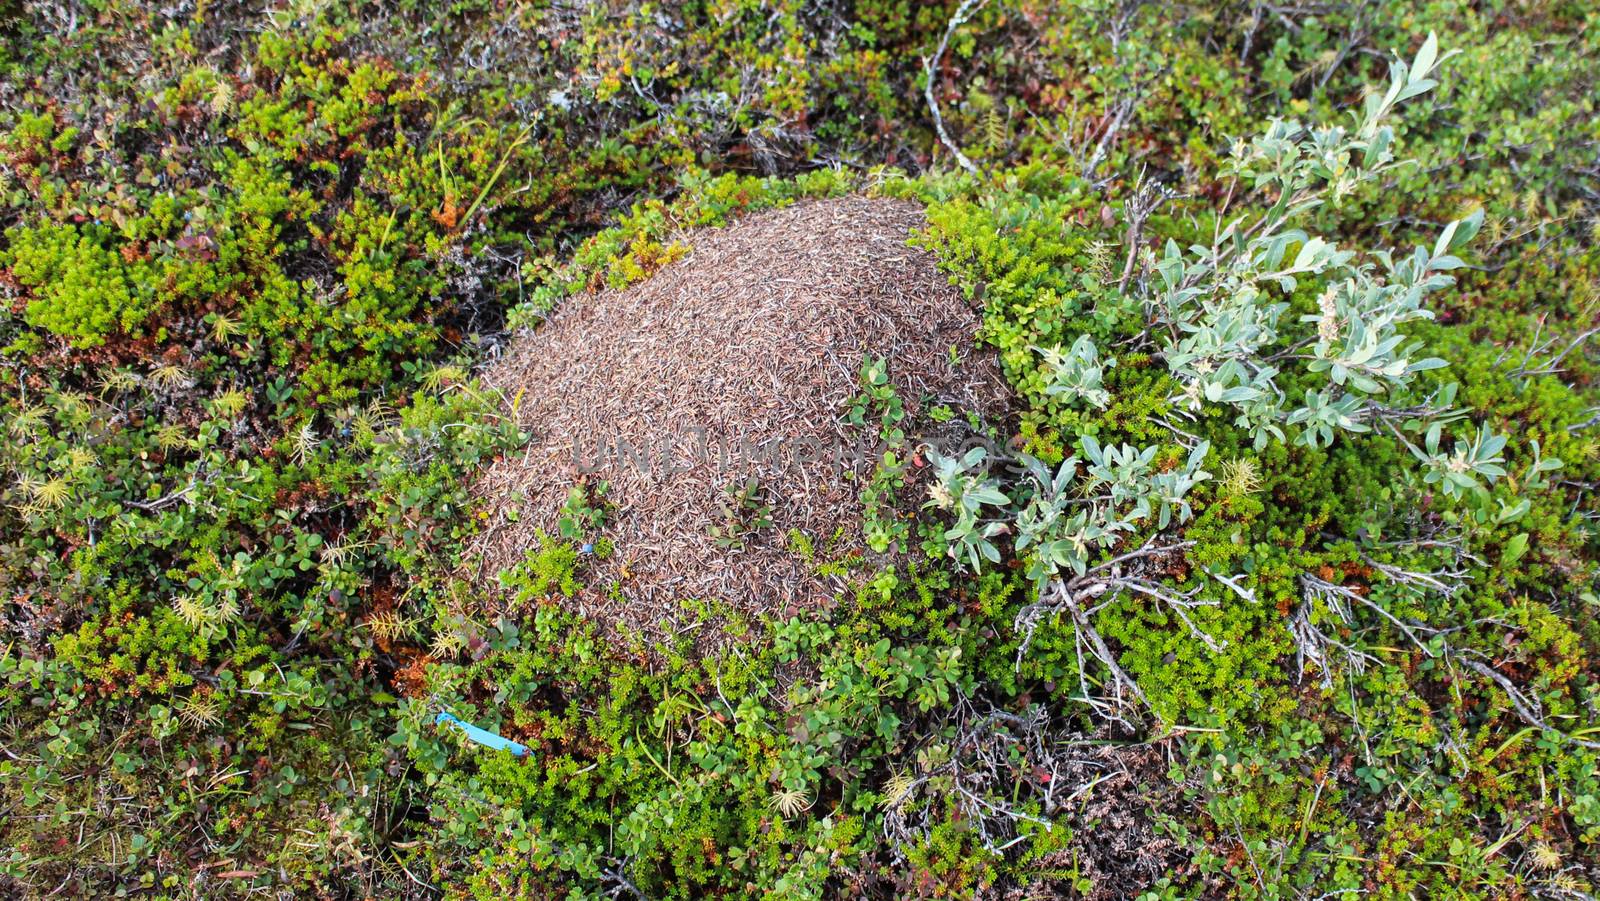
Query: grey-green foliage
[962, 486]
[1220, 309]
[1129, 477]
[1218, 317]
[1078, 373]
[1456, 472]
[1121, 491]
[1061, 517]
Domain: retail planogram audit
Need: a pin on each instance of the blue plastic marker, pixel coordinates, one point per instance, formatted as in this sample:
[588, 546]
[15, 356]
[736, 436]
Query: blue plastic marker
[482, 736]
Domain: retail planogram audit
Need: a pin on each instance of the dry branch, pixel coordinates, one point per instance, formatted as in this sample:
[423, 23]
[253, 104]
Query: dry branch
[930, 66]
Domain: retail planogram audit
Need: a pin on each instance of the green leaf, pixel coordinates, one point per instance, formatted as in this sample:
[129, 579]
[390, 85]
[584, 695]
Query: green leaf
[1426, 57]
[1466, 229]
[1514, 549]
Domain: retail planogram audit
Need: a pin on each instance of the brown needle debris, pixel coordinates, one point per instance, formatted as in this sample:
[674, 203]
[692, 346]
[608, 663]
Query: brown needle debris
[739, 360]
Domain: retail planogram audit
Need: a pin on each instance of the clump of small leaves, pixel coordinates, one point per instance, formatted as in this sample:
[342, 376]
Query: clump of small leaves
[743, 511]
[1077, 375]
[878, 396]
[85, 290]
[583, 512]
[963, 487]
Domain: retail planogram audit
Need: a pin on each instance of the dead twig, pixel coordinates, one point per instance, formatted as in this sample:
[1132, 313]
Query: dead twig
[1107, 579]
[930, 67]
[1526, 708]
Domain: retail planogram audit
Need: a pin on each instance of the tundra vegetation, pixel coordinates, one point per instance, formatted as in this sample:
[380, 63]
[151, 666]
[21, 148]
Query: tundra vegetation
[1282, 582]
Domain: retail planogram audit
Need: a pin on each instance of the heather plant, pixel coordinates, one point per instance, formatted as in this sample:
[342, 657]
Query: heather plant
[85, 290]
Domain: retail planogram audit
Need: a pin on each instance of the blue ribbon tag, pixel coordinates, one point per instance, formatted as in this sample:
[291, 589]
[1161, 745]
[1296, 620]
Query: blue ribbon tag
[482, 736]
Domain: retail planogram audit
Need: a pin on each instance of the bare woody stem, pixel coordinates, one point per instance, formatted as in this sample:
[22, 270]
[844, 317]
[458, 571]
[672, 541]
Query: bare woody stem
[930, 66]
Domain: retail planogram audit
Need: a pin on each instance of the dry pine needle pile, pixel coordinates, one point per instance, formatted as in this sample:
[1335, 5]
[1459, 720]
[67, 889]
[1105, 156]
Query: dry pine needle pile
[738, 361]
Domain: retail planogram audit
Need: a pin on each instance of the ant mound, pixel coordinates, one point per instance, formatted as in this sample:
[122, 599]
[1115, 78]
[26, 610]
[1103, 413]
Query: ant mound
[714, 401]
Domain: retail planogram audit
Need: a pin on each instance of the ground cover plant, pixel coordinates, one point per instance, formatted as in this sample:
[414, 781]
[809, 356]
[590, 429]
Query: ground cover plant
[1275, 579]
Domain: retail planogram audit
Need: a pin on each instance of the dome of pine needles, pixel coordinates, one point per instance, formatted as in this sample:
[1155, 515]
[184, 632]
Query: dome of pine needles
[735, 365]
